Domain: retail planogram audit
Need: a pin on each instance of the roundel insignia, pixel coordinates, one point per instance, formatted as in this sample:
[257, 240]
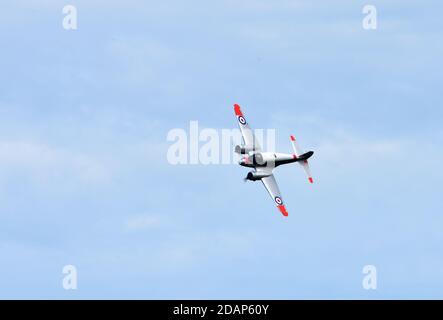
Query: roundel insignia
[278, 201]
[241, 120]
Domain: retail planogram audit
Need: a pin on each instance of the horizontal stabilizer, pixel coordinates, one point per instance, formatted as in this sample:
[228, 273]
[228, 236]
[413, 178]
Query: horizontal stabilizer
[302, 158]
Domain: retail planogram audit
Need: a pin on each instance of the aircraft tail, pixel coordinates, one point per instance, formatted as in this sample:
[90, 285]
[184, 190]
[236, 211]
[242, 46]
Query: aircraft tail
[302, 158]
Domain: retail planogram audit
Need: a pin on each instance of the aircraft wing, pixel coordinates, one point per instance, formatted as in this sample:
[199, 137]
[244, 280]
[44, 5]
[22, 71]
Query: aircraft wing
[248, 135]
[273, 190]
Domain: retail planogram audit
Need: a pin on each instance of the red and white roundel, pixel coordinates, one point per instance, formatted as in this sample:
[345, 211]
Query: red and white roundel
[278, 201]
[241, 120]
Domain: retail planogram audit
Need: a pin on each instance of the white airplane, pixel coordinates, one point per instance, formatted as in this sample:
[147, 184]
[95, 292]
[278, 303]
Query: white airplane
[264, 163]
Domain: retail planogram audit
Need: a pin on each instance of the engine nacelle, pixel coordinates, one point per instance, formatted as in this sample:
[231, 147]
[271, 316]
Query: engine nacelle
[263, 158]
[254, 176]
[243, 149]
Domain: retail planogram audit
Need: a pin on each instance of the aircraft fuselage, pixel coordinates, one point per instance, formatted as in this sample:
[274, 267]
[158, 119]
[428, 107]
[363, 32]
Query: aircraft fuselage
[267, 159]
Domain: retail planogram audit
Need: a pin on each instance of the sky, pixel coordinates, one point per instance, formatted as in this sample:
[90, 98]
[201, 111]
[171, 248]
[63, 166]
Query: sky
[85, 181]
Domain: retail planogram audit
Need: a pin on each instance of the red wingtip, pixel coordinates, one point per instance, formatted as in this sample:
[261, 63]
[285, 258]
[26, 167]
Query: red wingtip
[237, 110]
[311, 180]
[283, 210]
[292, 138]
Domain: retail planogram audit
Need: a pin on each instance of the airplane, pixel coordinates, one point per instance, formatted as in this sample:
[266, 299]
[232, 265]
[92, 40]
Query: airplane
[264, 163]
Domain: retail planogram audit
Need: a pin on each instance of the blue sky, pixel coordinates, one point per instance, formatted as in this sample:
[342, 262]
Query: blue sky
[84, 179]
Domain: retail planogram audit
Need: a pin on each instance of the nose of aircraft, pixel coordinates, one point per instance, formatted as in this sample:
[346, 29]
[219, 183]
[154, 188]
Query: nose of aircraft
[243, 161]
